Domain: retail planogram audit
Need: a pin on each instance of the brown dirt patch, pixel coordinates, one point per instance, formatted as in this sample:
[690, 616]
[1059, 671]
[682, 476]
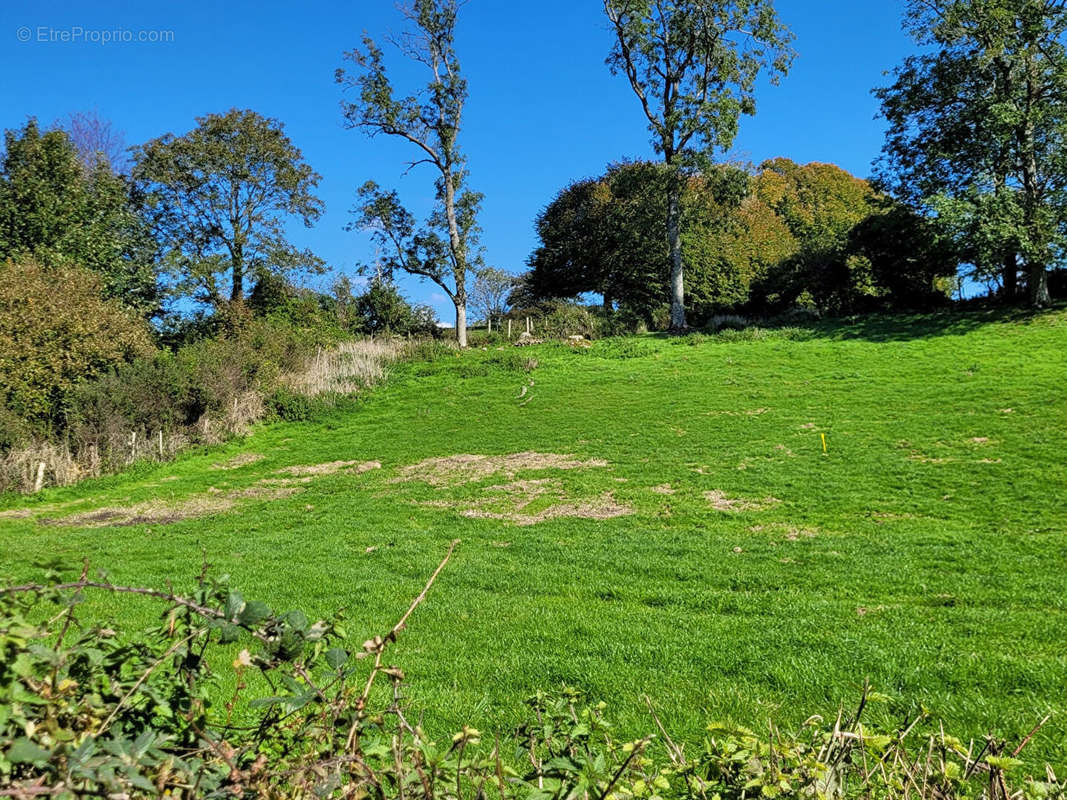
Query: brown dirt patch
[145, 514]
[980, 440]
[721, 502]
[460, 469]
[664, 489]
[333, 467]
[239, 460]
[16, 513]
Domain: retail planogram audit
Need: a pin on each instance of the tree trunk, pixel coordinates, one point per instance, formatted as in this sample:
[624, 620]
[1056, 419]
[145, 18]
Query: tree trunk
[238, 270]
[459, 256]
[461, 323]
[674, 238]
[1011, 277]
[1038, 283]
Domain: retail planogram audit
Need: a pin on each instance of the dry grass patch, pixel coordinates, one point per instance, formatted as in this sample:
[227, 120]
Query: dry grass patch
[238, 461]
[331, 468]
[347, 368]
[721, 502]
[145, 513]
[460, 469]
[791, 533]
[664, 489]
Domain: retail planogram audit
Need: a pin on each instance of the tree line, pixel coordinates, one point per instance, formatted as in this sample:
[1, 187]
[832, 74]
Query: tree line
[972, 176]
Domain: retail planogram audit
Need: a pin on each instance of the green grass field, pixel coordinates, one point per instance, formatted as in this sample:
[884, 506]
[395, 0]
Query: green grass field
[755, 576]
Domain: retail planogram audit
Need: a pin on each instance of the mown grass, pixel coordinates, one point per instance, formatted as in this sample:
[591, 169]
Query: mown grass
[925, 550]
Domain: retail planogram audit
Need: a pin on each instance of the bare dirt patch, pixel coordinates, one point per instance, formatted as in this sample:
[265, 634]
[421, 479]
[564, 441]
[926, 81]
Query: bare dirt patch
[238, 461]
[333, 467]
[16, 513]
[664, 489]
[145, 514]
[721, 502]
[460, 469]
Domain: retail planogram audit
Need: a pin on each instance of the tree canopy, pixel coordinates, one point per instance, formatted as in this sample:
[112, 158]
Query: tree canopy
[977, 132]
[61, 210]
[220, 197]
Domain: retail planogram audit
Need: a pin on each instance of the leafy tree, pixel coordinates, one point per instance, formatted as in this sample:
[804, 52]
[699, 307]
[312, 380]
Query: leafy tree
[490, 291]
[911, 264]
[444, 250]
[55, 330]
[609, 236]
[221, 195]
[693, 65]
[977, 131]
[60, 210]
[382, 309]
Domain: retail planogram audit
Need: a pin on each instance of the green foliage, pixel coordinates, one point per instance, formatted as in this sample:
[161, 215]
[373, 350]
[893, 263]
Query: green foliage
[693, 64]
[55, 330]
[61, 211]
[976, 131]
[381, 309]
[220, 197]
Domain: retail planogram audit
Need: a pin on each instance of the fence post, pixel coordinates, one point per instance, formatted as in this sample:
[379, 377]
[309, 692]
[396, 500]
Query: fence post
[39, 483]
[509, 329]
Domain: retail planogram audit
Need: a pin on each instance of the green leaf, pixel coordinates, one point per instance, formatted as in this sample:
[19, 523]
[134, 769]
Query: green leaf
[336, 657]
[253, 613]
[23, 751]
[235, 604]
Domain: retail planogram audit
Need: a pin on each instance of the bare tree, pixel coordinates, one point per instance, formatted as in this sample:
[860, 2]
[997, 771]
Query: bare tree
[444, 250]
[490, 291]
[96, 139]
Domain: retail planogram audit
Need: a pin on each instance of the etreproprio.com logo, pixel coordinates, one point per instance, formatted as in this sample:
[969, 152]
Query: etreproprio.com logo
[78, 34]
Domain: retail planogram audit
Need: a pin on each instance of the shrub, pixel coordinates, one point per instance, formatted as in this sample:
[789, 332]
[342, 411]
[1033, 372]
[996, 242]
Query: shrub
[55, 329]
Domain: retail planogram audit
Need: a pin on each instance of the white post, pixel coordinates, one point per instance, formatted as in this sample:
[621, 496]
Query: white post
[509, 329]
[39, 483]
[160, 444]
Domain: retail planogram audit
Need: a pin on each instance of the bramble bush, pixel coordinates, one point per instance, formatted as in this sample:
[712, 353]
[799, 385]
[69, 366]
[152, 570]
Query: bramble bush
[90, 710]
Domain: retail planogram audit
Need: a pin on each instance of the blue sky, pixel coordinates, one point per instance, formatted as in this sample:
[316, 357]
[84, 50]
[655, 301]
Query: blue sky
[544, 109]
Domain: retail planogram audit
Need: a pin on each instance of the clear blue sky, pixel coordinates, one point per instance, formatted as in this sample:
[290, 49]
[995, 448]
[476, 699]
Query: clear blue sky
[544, 109]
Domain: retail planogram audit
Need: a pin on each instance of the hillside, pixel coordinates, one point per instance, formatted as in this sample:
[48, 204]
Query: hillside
[654, 516]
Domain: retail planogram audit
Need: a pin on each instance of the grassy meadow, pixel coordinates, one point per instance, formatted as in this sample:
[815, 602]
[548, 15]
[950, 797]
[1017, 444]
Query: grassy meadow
[673, 526]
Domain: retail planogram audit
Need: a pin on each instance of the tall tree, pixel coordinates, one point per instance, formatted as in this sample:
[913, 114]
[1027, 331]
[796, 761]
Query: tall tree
[60, 210]
[978, 127]
[220, 197]
[444, 250]
[693, 65]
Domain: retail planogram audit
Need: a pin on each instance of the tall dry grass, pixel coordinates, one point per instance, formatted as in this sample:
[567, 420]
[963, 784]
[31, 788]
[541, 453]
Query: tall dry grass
[348, 368]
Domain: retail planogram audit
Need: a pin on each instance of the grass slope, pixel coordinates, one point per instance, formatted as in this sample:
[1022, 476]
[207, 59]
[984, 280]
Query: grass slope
[925, 550]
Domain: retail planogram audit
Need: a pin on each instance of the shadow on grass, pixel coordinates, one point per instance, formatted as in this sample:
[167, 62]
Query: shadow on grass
[906, 327]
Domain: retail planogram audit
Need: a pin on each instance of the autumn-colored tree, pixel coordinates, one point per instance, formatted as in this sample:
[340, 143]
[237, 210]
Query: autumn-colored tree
[820, 204]
[609, 235]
